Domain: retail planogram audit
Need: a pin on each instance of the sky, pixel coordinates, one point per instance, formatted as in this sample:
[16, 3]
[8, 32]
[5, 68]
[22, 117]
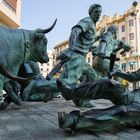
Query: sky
[42, 13]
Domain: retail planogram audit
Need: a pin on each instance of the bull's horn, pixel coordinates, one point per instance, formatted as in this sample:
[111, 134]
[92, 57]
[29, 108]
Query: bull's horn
[49, 29]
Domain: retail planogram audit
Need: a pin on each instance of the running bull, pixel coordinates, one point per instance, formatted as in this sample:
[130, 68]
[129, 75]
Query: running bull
[16, 47]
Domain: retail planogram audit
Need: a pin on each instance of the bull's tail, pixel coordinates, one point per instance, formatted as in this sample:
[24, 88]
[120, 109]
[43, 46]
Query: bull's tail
[6, 73]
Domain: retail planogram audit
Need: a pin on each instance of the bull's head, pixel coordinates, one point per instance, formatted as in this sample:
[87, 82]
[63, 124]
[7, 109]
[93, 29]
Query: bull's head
[39, 48]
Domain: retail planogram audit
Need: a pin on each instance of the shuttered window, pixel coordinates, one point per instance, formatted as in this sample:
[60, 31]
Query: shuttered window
[11, 4]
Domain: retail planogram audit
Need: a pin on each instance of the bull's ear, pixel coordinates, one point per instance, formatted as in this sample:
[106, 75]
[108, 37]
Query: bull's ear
[27, 44]
[38, 35]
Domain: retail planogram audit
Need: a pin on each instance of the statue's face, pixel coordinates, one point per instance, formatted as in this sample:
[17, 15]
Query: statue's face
[114, 32]
[113, 29]
[95, 15]
[115, 35]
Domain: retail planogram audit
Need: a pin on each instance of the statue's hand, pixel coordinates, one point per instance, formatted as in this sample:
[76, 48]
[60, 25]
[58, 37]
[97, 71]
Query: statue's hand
[102, 55]
[99, 54]
[100, 34]
[65, 54]
[113, 73]
[114, 82]
[126, 48]
[123, 52]
[102, 31]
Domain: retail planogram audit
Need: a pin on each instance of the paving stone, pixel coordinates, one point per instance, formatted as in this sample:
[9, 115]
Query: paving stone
[39, 121]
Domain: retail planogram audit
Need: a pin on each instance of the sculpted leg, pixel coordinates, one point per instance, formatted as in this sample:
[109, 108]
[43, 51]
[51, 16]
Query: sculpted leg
[74, 69]
[4, 101]
[99, 89]
[7, 100]
[40, 90]
[12, 89]
[126, 111]
[90, 76]
[101, 119]
[1, 96]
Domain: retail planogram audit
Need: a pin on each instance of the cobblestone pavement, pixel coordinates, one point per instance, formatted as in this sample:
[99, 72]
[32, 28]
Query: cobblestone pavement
[38, 121]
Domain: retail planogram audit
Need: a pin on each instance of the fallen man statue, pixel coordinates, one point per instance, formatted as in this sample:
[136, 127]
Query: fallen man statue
[125, 112]
[38, 88]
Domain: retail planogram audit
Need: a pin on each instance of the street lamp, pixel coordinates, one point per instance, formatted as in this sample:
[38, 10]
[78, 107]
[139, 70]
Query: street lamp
[134, 3]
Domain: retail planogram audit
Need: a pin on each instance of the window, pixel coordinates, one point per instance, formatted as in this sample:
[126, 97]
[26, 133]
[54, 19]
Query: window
[123, 39]
[132, 65]
[123, 28]
[131, 23]
[11, 4]
[132, 50]
[88, 59]
[123, 65]
[131, 36]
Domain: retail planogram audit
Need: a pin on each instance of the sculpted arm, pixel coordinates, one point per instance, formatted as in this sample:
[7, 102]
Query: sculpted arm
[100, 49]
[131, 77]
[75, 33]
[126, 47]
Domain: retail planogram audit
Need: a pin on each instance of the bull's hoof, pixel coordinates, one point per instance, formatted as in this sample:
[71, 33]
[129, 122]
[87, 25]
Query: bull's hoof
[24, 97]
[17, 100]
[138, 127]
[5, 103]
[48, 97]
[3, 106]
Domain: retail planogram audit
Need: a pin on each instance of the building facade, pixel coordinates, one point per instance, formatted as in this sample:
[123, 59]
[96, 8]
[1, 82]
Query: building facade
[45, 68]
[58, 49]
[10, 12]
[128, 30]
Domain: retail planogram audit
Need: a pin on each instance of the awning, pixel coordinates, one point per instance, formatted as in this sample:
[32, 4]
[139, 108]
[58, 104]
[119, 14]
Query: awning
[132, 63]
